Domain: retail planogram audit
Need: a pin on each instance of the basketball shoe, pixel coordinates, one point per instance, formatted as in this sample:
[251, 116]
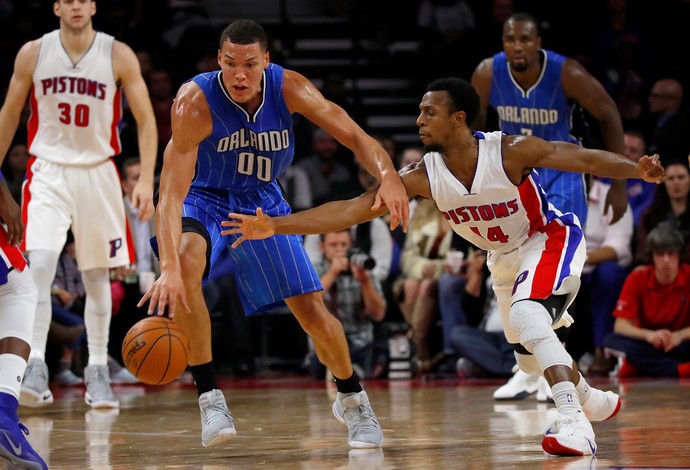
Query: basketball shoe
[520, 386]
[354, 410]
[98, 392]
[13, 445]
[601, 405]
[35, 390]
[569, 435]
[544, 393]
[217, 425]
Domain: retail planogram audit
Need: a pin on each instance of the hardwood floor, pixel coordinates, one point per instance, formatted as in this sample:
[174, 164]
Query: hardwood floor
[286, 423]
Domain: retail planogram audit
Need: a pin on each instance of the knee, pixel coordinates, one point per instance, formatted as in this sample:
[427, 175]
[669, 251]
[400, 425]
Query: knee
[531, 322]
[192, 268]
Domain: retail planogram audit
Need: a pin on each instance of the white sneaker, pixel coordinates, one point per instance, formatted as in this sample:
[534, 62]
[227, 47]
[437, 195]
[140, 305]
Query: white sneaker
[67, 378]
[217, 425]
[601, 405]
[98, 393]
[354, 410]
[123, 376]
[520, 386]
[35, 390]
[544, 393]
[570, 435]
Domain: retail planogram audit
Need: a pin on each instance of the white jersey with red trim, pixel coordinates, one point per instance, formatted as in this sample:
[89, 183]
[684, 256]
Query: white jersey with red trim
[75, 107]
[494, 214]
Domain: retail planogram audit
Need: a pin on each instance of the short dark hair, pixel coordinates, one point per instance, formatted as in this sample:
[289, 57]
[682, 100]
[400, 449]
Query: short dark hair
[665, 238]
[245, 32]
[526, 18]
[463, 96]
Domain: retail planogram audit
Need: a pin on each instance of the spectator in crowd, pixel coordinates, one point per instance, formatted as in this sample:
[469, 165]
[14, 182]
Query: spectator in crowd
[668, 134]
[609, 256]
[652, 328]
[640, 192]
[669, 208]
[483, 349]
[422, 261]
[14, 169]
[354, 296]
[296, 188]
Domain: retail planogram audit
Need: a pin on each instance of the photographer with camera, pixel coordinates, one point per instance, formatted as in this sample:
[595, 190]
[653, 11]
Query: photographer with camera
[353, 295]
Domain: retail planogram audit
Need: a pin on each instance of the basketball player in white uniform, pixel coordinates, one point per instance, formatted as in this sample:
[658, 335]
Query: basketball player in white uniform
[486, 187]
[73, 78]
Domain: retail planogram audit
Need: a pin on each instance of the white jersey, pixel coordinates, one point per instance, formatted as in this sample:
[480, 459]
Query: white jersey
[75, 108]
[494, 214]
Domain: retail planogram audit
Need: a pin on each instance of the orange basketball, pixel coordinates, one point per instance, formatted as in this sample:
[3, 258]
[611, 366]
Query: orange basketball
[156, 350]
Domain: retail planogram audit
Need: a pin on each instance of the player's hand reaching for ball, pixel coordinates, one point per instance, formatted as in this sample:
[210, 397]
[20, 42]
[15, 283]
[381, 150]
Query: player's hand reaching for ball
[650, 169]
[164, 293]
[249, 227]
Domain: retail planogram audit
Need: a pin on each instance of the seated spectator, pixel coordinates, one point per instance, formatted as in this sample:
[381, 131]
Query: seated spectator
[640, 192]
[669, 208]
[609, 256]
[352, 295]
[426, 245]
[296, 188]
[652, 328]
[483, 350]
[668, 133]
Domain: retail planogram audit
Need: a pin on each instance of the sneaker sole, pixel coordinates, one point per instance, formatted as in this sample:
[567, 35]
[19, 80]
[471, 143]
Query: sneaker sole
[101, 404]
[32, 399]
[353, 444]
[519, 396]
[223, 436]
[551, 446]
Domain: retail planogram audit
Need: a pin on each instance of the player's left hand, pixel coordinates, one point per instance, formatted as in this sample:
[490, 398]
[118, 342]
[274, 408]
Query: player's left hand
[650, 169]
[249, 227]
[616, 200]
[392, 193]
[142, 200]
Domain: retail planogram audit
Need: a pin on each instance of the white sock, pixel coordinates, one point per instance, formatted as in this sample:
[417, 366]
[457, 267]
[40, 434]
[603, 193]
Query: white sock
[12, 369]
[43, 264]
[566, 398]
[583, 390]
[97, 313]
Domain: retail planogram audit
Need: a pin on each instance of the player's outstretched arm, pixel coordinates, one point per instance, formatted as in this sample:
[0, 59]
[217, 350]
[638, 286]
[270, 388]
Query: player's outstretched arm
[329, 217]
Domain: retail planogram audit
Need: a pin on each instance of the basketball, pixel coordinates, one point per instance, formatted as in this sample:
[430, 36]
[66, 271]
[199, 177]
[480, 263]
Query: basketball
[156, 350]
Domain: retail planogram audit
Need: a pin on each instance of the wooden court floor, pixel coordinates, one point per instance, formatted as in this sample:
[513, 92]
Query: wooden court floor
[286, 423]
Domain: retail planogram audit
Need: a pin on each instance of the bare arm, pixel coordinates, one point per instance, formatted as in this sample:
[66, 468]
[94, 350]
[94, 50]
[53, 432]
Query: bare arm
[330, 217]
[303, 97]
[579, 85]
[17, 92]
[128, 74]
[191, 123]
[522, 152]
[481, 81]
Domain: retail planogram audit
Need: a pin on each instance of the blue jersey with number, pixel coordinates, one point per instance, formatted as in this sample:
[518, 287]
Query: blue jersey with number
[236, 171]
[542, 111]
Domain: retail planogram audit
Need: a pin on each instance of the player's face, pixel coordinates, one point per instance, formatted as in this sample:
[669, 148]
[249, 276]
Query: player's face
[243, 66]
[75, 14]
[435, 121]
[521, 45]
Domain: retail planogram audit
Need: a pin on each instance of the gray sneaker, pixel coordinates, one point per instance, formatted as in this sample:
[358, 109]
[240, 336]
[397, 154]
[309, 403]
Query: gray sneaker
[354, 410]
[216, 423]
[35, 391]
[98, 392]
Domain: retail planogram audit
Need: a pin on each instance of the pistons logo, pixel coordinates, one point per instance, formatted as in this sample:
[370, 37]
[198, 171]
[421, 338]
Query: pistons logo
[522, 277]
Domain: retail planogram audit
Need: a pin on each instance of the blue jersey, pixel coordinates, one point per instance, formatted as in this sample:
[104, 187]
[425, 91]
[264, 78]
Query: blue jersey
[542, 111]
[236, 171]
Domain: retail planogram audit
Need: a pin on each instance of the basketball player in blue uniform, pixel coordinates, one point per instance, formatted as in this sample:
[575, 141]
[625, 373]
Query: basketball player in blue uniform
[534, 92]
[486, 187]
[231, 138]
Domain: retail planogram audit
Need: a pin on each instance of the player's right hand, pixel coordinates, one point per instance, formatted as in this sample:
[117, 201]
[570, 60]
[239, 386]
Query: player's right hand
[164, 293]
[249, 227]
[650, 169]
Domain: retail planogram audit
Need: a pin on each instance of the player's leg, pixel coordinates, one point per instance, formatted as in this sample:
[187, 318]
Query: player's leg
[352, 405]
[17, 309]
[46, 205]
[217, 425]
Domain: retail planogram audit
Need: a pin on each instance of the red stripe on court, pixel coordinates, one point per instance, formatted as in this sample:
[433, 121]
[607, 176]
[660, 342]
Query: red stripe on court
[547, 269]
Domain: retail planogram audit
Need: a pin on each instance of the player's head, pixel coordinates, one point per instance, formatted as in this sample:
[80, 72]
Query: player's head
[75, 14]
[521, 41]
[243, 57]
[448, 103]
